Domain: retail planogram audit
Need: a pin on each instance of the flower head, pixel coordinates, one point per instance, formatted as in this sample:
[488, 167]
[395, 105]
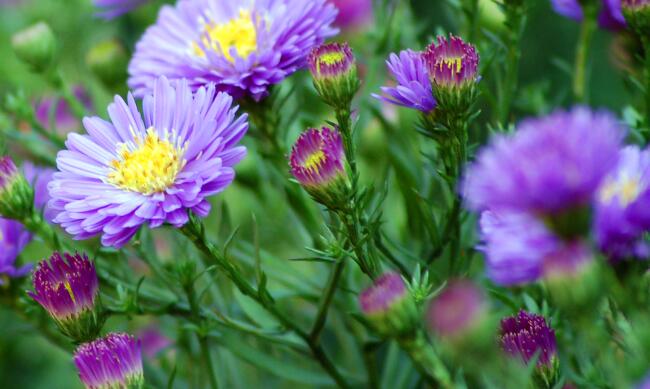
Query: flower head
[16, 195]
[243, 48]
[110, 9]
[153, 341]
[621, 216]
[610, 17]
[452, 63]
[551, 166]
[413, 88]
[334, 70]
[13, 239]
[317, 161]
[527, 334]
[149, 168]
[389, 306]
[64, 119]
[457, 310]
[353, 13]
[67, 287]
[637, 15]
[114, 361]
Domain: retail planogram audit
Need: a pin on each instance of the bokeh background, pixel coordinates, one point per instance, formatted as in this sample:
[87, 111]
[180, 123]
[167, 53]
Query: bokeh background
[28, 360]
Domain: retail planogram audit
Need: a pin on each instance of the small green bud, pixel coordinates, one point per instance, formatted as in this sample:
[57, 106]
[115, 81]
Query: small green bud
[35, 46]
[108, 60]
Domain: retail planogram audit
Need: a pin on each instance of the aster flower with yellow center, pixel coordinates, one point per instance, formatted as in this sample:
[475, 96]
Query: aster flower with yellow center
[243, 47]
[150, 168]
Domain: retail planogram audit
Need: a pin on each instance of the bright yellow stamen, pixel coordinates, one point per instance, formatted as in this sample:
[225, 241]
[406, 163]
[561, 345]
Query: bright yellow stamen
[314, 160]
[67, 287]
[238, 33]
[627, 191]
[451, 63]
[149, 167]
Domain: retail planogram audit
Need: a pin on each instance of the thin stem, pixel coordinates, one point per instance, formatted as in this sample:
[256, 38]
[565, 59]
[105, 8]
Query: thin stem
[326, 301]
[646, 49]
[201, 338]
[37, 225]
[427, 361]
[345, 126]
[587, 30]
[515, 21]
[75, 105]
[351, 225]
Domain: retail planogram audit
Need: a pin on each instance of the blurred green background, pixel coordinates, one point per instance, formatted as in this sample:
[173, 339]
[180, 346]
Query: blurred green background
[27, 360]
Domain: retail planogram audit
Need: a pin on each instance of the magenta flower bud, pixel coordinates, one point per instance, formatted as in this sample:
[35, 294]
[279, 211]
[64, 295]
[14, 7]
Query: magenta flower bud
[317, 161]
[389, 306]
[112, 362]
[334, 70]
[67, 287]
[458, 311]
[16, 196]
[637, 15]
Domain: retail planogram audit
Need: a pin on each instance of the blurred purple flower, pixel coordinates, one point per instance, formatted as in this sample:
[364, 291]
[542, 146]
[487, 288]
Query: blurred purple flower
[551, 165]
[110, 9]
[459, 307]
[413, 89]
[64, 119]
[242, 47]
[153, 341]
[353, 13]
[610, 17]
[526, 334]
[386, 291]
[148, 168]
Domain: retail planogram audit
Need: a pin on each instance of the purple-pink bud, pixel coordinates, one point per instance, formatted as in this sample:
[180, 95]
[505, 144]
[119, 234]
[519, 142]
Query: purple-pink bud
[452, 62]
[457, 310]
[526, 334]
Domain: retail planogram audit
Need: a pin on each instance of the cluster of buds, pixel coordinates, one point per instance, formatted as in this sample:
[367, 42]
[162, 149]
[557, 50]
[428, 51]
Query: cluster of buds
[66, 286]
[526, 336]
[637, 15]
[389, 307]
[317, 162]
[114, 361]
[453, 70]
[16, 195]
[334, 71]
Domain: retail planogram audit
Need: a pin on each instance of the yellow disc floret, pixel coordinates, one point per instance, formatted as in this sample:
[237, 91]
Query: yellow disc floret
[148, 166]
[314, 160]
[455, 64]
[238, 33]
[627, 190]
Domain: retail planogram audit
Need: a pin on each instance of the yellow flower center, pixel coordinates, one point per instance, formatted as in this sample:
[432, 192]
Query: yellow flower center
[314, 160]
[238, 33]
[148, 166]
[627, 190]
[329, 59]
[451, 63]
[67, 287]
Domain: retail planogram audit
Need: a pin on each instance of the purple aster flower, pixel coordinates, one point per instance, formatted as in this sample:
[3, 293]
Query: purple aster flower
[610, 17]
[243, 47]
[527, 334]
[353, 13]
[114, 361]
[551, 166]
[110, 9]
[452, 63]
[13, 239]
[457, 310]
[334, 70]
[64, 119]
[515, 245]
[317, 162]
[621, 206]
[153, 341]
[389, 306]
[413, 89]
[150, 168]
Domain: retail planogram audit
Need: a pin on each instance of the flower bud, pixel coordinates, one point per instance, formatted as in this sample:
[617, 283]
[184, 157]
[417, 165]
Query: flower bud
[389, 307]
[318, 163]
[108, 61]
[453, 71]
[16, 196]
[527, 335]
[637, 15]
[67, 287]
[334, 70]
[457, 312]
[114, 361]
[35, 46]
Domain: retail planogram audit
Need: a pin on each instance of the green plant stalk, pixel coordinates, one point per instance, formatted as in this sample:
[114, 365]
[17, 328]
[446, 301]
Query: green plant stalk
[77, 108]
[194, 231]
[201, 338]
[587, 29]
[351, 223]
[326, 301]
[427, 361]
[345, 127]
[646, 52]
[515, 21]
[37, 225]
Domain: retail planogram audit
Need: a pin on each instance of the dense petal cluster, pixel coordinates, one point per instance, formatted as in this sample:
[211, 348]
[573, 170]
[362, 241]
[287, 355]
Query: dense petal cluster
[386, 291]
[610, 17]
[413, 89]
[451, 62]
[151, 168]
[114, 361]
[457, 309]
[389, 306]
[526, 334]
[110, 9]
[622, 205]
[334, 70]
[243, 48]
[549, 166]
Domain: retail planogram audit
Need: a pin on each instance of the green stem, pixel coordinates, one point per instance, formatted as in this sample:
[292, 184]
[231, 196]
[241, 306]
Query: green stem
[587, 30]
[201, 338]
[345, 126]
[515, 21]
[646, 49]
[351, 223]
[326, 301]
[194, 231]
[37, 225]
[75, 105]
[427, 361]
